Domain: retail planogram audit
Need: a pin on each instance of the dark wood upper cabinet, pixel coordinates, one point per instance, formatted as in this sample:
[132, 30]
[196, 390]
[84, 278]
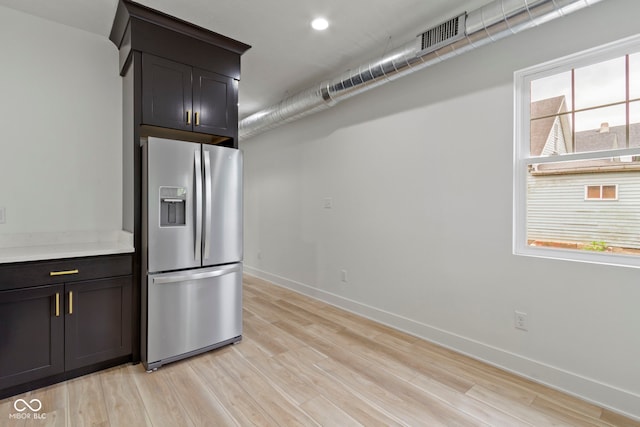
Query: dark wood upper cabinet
[189, 75]
[166, 93]
[178, 96]
[215, 101]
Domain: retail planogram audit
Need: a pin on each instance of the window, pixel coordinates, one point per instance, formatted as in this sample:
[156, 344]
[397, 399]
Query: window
[577, 157]
[601, 192]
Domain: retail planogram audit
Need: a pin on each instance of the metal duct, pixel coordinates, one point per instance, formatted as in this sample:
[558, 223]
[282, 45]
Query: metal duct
[489, 23]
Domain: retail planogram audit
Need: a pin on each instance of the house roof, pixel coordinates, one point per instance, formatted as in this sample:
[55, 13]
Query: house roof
[540, 128]
[588, 140]
[601, 139]
[595, 140]
[616, 137]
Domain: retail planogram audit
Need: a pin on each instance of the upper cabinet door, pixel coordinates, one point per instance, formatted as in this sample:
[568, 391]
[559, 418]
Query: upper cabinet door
[215, 100]
[166, 93]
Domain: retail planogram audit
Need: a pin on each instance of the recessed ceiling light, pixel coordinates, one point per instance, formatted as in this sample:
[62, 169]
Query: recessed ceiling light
[320, 24]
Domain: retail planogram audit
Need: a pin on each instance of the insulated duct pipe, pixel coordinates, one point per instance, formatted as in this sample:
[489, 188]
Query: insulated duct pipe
[489, 23]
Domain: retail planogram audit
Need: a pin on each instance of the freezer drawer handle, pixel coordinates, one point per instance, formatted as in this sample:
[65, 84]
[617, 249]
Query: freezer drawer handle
[196, 276]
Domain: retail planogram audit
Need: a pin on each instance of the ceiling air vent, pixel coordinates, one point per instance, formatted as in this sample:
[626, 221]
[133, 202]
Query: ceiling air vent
[443, 34]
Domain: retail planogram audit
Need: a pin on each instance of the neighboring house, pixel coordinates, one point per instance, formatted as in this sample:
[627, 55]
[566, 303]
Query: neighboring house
[550, 132]
[572, 204]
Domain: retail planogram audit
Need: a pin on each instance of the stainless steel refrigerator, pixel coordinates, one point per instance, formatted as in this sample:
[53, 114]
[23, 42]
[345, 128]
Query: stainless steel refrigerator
[192, 249]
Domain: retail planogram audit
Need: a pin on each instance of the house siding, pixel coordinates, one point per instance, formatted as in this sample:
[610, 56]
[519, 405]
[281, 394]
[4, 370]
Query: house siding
[557, 210]
[555, 143]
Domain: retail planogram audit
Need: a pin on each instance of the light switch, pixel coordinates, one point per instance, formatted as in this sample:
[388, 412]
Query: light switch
[3, 217]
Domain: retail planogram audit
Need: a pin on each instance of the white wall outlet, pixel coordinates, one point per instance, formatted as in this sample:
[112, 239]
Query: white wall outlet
[327, 203]
[259, 255]
[343, 276]
[3, 215]
[521, 320]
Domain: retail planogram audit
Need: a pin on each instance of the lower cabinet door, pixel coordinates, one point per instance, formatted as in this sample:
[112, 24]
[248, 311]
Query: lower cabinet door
[31, 334]
[97, 321]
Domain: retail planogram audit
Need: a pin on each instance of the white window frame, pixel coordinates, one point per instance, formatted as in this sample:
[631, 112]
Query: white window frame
[599, 199]
[522, 157]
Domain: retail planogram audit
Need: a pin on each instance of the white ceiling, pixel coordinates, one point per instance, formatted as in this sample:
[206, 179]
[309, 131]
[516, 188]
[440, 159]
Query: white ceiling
[286, 54]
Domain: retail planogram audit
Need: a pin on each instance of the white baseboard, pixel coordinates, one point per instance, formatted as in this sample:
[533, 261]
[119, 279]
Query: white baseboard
[607, 396]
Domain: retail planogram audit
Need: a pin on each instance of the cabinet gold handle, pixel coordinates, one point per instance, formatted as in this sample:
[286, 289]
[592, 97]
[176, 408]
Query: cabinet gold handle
[57, 304]
[197, 114]
[70, 302]
[188, 117]
[63, 273]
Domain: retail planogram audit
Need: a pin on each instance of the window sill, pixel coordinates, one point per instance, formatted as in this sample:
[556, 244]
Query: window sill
[592, 257]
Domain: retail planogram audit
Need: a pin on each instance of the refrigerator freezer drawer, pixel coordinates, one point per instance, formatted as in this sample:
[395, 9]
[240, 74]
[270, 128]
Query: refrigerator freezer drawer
[192, 311]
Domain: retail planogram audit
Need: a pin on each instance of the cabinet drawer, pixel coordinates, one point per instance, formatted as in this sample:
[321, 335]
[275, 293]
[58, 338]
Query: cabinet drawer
[22, 275]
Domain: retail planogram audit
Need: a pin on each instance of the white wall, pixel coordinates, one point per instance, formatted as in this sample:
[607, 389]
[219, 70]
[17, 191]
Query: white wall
[420, 172]
[61, 128]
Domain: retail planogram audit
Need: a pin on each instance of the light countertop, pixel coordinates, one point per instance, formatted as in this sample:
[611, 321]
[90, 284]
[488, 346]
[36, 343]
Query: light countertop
[44, 246]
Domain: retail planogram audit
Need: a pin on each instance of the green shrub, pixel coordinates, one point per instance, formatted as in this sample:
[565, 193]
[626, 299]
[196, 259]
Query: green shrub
[597, 246]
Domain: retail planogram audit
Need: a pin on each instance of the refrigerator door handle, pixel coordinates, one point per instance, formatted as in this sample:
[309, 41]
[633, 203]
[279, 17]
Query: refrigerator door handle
[207, 202]
[198, 201]
[221, 271]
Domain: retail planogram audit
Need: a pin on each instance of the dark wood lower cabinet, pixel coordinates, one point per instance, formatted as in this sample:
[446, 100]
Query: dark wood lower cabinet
[31, 335]
[56, 331]
[98, 323]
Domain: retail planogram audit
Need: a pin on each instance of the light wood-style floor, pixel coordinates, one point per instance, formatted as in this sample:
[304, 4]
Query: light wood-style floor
[302, 362]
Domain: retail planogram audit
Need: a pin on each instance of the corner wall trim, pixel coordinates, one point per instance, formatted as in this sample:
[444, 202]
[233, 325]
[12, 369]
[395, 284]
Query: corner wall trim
[607, 396]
